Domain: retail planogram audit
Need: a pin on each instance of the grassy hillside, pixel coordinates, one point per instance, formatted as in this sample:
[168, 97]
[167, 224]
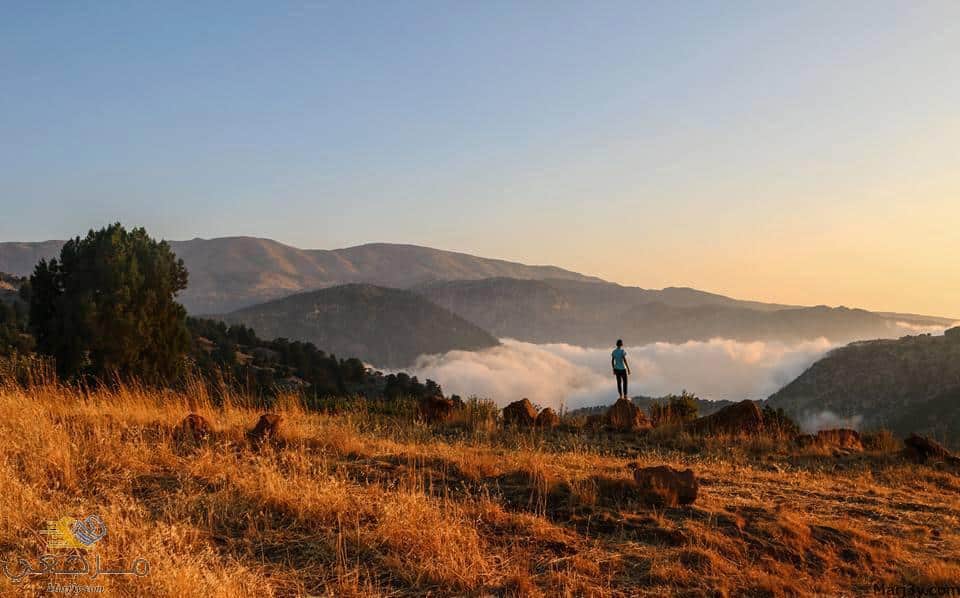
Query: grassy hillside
[362, 504]
[386, 327]
[908, 385]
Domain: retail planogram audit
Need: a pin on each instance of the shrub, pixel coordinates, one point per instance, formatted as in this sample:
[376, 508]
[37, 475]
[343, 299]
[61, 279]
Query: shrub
[881, 441]
[777, 422]
[674, 409]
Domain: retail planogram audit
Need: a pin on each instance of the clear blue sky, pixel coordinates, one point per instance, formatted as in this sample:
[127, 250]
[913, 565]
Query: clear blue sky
[801, 152]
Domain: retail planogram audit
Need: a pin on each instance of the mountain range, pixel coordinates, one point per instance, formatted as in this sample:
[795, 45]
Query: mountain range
[234, 272]
[594, 314]
[505, 299]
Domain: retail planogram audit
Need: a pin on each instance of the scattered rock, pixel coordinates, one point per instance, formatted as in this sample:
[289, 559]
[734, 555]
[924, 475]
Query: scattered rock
[923, 450]
[520, 413]
[625, 416]
[436, 409]
[841, 438]
[665, 486]
[548, 419]
[194, 428]
[740, 418]
[267, 428]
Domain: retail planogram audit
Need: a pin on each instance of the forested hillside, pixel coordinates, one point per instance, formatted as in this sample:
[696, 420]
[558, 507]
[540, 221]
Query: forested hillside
[908, 385]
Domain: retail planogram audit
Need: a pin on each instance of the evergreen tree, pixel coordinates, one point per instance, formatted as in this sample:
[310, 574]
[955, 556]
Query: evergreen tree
[107, 307]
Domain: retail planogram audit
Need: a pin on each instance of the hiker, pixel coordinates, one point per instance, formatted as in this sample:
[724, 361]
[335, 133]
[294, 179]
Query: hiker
[621, 369]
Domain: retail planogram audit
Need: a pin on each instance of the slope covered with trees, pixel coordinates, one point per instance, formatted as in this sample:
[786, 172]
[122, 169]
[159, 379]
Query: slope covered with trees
[14, 317]
[911, 384]
[262, 368]
[386, 327]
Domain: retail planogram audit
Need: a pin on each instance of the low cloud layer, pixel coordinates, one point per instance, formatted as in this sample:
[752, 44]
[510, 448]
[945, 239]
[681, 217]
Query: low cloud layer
[572, 376]
[559, 374]
[828, 420]
[908, 328]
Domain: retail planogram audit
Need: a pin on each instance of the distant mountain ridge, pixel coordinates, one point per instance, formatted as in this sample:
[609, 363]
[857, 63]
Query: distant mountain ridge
[234, 272]
[532, 303]
[595, 314]
[387, 327]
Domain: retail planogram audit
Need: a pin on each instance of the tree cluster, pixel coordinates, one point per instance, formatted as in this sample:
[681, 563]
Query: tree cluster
[262, 366]
[14, 318]
[674, 409]
[107, 310]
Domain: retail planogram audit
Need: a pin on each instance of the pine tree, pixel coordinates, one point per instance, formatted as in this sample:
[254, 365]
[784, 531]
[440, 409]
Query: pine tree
[107, 308]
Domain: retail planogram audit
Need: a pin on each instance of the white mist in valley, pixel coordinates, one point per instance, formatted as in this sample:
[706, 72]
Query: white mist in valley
[828, 420]
[572, 376]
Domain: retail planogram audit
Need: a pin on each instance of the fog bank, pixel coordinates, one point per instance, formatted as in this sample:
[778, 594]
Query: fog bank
[572, 376]
[828, 420]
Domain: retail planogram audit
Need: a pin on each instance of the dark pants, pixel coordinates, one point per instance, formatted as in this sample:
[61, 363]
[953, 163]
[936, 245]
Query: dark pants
[621, 381]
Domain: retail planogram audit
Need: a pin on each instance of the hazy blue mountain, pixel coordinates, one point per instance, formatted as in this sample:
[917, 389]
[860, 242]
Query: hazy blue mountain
[596, 313]
[386, 327]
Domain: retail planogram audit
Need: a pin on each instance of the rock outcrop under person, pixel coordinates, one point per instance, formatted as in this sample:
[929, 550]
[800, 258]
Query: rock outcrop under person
[625, 416]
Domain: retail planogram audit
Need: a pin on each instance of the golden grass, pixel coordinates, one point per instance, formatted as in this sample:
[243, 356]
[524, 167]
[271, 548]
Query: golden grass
[360, 504]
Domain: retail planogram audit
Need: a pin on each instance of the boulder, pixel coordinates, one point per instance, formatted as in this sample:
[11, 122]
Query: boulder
[665, 486]
[520, 413]
[625, 416]
[436, 409]
[548, 419]
[926, 450]
[841, 438]
[740, 418]
[194, 428]
[267, 428]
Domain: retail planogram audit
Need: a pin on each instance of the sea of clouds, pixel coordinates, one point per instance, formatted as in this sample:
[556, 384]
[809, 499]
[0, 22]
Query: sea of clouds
[566, 375]
[563, 375]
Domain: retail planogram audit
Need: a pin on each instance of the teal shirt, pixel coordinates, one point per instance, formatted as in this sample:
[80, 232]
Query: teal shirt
[619, 355]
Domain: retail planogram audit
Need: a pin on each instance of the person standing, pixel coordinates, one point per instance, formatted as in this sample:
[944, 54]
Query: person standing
[621, 369]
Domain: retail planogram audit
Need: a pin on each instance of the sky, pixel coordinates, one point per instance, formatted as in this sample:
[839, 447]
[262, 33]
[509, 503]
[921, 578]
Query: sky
[798, 152]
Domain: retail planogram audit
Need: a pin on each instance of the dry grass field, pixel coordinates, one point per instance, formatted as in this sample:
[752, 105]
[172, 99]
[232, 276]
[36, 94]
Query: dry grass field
[365, 504]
